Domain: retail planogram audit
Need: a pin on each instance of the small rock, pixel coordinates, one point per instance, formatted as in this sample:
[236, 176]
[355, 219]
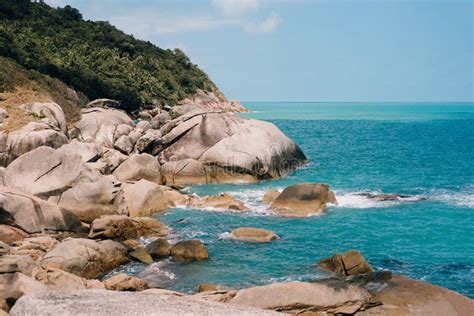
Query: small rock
[349, 263]
[10, 234]
[123, 282]
[159, 248]
[250, 234]
[123, 227]
[189, 250]
[141, 255]
[223, 200]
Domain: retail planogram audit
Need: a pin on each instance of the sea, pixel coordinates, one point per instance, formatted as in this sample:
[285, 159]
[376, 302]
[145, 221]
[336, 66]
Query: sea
[424, 150]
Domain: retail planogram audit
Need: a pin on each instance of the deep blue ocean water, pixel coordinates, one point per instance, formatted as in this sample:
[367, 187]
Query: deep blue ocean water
[425, 150]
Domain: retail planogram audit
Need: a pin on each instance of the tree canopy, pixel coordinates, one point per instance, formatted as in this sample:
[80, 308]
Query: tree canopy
[95, 57]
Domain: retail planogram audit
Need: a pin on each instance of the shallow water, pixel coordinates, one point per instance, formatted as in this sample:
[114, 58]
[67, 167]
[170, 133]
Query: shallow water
[425, 150]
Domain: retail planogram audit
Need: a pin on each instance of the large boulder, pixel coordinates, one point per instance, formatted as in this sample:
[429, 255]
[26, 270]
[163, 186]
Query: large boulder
[92, 200]
[303, 199]
[46, 172]
[346, 264]
[102, 302]
[50, 113]
[270, 196]
[230, 148]
[251, 234]
[86, 258]
[404, 296]
[297, 297]
[34, 215]
[223, 201]
[89, 152]
[183, 172]
[28, 138]
[144, 198]
[189, 250]
[137, 167]
[124, 227]
[98, 125]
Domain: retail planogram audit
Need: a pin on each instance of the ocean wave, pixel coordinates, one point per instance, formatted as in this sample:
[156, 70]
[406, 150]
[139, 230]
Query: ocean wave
[356, 200]
[464, 198]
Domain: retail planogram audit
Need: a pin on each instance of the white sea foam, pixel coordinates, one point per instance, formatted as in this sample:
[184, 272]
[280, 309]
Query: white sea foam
[225, 235]
[465, 198]
[356, 200]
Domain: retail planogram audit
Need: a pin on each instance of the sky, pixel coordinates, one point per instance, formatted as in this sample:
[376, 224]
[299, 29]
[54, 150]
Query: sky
[312, 50]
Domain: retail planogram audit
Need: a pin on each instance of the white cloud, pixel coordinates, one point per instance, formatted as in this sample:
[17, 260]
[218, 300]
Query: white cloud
[236, 7]
[268, 25]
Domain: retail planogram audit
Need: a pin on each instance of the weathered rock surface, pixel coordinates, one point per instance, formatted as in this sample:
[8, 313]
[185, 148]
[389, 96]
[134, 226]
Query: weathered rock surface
[86, 258]
[159, 248]
[98, 125]
[10, 234]
[296, 297]
[57, 279]
[223, 200]
[223, 147]
[35, 247]
[51, 113]
[160, 119]
[144, 198]
[89, 152]
[189, 250]
[346, 264]
[109, 161]
[4, 248]
[101, 302]
[123, 227]
[19, 263]
[15, 285]
[45, 172]
[34, 215]
[137, 167]
[123, 282]
[92, 200]
[28, 138]
[404, 296]
[251, 234]
[303, 199]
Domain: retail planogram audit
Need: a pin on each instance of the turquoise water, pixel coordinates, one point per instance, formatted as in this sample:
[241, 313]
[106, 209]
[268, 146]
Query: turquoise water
[425, 150]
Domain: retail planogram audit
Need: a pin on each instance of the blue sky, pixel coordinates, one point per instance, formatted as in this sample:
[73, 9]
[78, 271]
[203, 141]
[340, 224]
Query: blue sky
[313, 50]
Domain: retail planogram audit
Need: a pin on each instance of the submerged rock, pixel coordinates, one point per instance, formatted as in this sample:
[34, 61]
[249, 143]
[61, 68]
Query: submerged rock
[303, 199]
[393, 197]
[189, 250]
[223, 200]
[270, 196]
[250, 234]
[346, 264]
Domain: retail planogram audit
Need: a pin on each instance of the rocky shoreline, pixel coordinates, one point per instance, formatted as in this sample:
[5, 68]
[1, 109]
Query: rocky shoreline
[76, 198]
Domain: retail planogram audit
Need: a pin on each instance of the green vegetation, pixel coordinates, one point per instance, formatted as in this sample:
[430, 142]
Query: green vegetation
[94, 57]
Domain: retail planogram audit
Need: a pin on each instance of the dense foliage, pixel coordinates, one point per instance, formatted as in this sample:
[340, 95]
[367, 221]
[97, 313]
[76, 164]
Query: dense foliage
[94, 57]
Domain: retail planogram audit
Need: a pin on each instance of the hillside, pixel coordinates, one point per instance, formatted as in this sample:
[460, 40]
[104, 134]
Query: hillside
[95, 58]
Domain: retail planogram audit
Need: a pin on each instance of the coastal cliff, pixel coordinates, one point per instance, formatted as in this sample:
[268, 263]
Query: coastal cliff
[89, 157]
